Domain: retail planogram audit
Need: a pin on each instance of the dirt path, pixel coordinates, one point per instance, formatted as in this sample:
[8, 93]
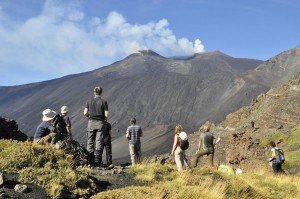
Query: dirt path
[115, 178]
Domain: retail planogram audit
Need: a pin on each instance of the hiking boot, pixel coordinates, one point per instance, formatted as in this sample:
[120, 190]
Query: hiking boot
[111, 166]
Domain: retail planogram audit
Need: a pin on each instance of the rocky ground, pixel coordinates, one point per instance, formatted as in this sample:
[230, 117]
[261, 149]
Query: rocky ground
[12, 188]
[10, 130]
[245, 133]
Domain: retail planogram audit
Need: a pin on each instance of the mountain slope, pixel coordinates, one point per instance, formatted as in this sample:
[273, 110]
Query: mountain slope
[280, 68]
[276, 117]
[159, 91]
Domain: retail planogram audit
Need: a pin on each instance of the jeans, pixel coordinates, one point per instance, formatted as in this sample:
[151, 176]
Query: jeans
[202, 153]
[135, 152]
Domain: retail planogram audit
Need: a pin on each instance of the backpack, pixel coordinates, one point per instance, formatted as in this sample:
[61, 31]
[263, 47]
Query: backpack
[184, 144]
[80, 155]
[60, 124]
[279, 156]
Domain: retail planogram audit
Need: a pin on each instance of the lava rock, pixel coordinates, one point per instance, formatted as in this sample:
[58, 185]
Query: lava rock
[4, 195]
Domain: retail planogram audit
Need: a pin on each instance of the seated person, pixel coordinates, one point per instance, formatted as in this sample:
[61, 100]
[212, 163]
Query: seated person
[62, 124]
[46, 132]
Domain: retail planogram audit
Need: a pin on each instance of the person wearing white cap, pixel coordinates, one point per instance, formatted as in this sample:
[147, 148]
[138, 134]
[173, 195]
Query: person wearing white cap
[46, 131]
[178, 150]
[66, 120]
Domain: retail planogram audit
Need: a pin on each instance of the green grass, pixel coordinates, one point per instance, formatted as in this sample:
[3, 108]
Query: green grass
[291, 148]
[204, 183]
[45, 166]
[293, 141]
[147, 173]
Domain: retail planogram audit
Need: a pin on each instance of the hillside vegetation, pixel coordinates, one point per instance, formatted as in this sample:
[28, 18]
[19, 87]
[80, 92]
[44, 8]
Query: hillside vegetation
[164, 182]
[52, 170]
[45, 166]
[275, 117]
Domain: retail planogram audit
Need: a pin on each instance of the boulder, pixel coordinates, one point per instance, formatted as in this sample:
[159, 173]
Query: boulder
[9, 130]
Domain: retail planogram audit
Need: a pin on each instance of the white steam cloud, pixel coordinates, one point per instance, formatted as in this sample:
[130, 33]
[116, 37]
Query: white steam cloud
[64, 40]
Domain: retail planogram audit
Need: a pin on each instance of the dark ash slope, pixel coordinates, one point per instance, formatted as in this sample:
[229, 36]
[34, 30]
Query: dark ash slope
[159, 91]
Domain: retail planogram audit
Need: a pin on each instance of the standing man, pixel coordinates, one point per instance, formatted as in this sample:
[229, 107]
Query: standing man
[133, 134]
[96, 110]
[106, 143]
[207, 144]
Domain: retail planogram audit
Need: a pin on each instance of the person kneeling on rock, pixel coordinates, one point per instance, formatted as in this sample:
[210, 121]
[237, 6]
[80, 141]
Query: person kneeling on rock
[46, 132]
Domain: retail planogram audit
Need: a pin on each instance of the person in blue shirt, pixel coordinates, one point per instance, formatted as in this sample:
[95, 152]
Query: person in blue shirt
[133, 134]
[46, 132]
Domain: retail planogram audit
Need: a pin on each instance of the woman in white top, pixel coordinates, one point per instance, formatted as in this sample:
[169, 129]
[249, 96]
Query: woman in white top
[177, 152]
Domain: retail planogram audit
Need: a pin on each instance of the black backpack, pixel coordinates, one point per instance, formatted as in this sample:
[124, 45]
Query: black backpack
[184, 144]
[60, 124]
[279, 156]
[80, 155]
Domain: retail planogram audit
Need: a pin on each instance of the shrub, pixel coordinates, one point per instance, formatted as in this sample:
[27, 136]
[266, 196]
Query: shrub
[45, 166]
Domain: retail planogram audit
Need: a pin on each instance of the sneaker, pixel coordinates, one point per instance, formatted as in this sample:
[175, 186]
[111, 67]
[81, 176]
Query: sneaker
[111, 166]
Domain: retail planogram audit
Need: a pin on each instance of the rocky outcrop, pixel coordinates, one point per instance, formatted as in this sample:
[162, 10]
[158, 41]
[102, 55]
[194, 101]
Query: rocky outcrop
[9, 130]
[245, 134]
[243, 147]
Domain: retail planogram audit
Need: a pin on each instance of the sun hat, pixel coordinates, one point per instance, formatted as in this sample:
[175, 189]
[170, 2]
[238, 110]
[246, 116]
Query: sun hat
[64, 109]
[48, 115]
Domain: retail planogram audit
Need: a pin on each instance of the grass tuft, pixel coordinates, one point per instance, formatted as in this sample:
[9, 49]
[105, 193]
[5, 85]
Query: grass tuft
[45, 166]
[204, 183]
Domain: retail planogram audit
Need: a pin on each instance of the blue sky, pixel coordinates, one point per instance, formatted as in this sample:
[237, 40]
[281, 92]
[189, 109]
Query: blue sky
[41, 40]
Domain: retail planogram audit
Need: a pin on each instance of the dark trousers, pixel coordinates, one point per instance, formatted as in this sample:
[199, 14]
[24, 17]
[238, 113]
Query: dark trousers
[93, 140]
[202, 153]
[277, 167]
[105, 143]
[94, 136]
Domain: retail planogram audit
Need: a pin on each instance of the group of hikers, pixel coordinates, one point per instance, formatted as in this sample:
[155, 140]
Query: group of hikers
[55, 127]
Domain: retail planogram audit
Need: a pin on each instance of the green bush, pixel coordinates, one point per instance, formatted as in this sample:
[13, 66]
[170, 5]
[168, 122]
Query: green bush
[45, 166]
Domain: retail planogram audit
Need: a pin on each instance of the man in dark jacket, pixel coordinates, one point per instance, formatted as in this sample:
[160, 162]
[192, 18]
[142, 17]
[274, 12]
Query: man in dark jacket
[46, 132]
[96, 110]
